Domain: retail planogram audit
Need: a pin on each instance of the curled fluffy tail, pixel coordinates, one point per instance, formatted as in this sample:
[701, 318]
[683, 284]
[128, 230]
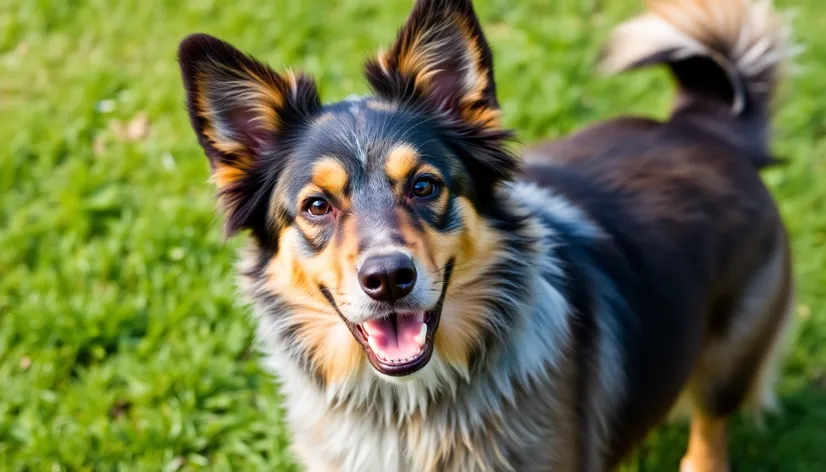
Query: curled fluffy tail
[723, 51]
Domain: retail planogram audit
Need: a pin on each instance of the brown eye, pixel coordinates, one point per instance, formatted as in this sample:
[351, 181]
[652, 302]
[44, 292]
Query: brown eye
[425, 187]
[318, 207]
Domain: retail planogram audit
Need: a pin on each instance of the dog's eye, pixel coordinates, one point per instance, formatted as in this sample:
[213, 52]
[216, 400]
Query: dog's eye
[318, 207]
[425, 187]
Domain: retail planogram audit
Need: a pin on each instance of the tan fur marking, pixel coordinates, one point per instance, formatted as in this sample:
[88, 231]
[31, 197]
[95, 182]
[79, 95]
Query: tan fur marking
[488, 117]
[324, 267]
[478, 237]
[400, 162]
[474, 249]
[707, 445]
[267, 88]
[419, 54]
[349, 244]
[225, 175]
[477, 80]
[335, 350]
[331, 176]
[261, 94]
[284, 272]
[332, 348]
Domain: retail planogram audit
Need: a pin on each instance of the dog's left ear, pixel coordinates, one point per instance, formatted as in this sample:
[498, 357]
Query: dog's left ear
[243, 113]
[441, 56]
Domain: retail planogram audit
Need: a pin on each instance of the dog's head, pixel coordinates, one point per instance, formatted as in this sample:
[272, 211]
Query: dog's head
[366, 214]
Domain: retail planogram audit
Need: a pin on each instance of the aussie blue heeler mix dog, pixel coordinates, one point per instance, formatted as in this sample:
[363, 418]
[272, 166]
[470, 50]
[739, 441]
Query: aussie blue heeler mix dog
[433, 302]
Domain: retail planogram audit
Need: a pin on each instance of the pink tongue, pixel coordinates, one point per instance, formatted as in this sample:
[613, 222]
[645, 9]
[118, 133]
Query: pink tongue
[397, 341]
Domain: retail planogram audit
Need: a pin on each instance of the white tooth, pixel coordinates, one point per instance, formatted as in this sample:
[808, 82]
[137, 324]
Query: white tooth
[422, 336]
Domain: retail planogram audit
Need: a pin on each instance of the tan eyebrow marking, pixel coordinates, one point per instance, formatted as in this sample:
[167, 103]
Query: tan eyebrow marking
[328, 174]
[401, 160]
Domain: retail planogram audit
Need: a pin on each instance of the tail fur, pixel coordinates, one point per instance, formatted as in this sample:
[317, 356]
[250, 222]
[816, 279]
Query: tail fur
[722, 51]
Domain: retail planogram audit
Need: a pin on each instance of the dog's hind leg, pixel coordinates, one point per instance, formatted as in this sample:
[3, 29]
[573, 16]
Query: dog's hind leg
[707, 444]
[738, 363]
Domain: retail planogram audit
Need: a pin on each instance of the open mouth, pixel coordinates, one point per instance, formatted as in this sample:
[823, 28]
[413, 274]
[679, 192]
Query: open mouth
[400, 343]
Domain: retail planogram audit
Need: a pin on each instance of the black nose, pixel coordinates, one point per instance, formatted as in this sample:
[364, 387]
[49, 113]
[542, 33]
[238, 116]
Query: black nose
[388, 277]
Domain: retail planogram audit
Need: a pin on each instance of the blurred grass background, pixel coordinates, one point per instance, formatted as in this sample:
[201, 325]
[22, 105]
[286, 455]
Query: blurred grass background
[122, 343]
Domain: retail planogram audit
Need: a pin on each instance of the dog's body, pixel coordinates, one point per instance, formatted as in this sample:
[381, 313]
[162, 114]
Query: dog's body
[575, 297]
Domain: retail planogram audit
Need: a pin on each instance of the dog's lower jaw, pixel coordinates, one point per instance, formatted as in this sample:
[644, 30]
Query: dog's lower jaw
[398, 379]
[417, 422]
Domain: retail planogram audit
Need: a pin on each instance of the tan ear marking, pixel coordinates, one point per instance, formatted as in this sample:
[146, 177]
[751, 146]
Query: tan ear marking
[246, 88]
[442, 53]
[225, 175]
[238, 107]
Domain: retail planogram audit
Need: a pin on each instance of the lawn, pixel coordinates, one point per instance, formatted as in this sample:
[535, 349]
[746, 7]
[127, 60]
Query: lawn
[123, 345]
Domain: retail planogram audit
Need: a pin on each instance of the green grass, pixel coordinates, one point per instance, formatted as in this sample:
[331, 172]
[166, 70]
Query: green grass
[122, 343]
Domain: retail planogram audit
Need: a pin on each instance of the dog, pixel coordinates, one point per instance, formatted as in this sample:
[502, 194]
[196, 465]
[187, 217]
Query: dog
[430, 300]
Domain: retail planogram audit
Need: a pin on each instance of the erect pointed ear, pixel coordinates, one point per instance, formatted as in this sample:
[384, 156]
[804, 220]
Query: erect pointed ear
[440, 55]
[240, 109]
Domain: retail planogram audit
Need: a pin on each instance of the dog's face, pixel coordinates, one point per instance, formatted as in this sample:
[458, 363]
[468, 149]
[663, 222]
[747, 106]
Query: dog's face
[362, 211]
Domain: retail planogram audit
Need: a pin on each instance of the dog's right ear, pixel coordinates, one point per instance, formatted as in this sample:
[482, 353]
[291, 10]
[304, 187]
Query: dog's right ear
[239, 109]
[441, 62]
[441, 56]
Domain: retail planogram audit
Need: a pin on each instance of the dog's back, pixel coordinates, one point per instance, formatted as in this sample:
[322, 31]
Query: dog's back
[683, 207]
